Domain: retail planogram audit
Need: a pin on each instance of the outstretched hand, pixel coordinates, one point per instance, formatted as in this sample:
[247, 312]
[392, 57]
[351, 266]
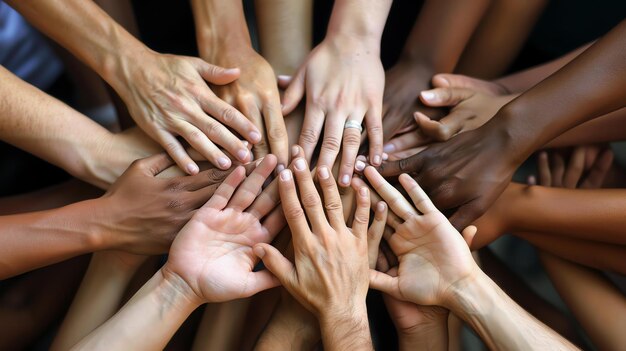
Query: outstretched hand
[213, 253]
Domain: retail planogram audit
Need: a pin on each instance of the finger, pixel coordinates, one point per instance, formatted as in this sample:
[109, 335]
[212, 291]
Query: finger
[276, 130]
[409, 165]
[220, 135]
[599, 170]
[154, 164]
[276, 263]
[201, 196]
[331, 141]
[543, 169]
[375, 231]
[381, 262]
[231, 117]
[311, 129]
[176, 151]
[222, 195]
[362, 213]
[291, 206]
[557, 169]
[374, 125]
[420, 199]
[466, 214]
[407, 141]
[441, 97]
[468, 235]
[294, 92]
[396, 201]
[250, 109]
[408, 153]
[445, 128]
[274, 222]
[266, 201]
[332, 200]
[283, 81]
[309, 196]
[215, 74]
[385, 283]
[575, 168]
[251, 187]
[259, 281]
[199, 141]
[206, 178]
[351, 143]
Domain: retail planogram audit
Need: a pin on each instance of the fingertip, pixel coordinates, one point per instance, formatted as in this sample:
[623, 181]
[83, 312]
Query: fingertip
[285, 175]
[192, 168]
[259, 250]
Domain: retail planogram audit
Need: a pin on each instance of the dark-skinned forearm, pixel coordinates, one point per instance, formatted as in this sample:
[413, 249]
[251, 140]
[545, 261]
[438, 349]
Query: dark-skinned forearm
[604, 129]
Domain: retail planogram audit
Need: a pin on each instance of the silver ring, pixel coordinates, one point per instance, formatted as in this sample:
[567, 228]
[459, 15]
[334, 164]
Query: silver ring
[353, 124]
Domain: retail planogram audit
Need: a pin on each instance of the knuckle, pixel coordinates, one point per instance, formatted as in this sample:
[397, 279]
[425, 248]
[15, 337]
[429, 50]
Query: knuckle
[228, 115]
[331, 143]
[332, 206]
[277, 133]
[309, 200]
[309, 136]
[375, 130]
[195, 136]
[216, 176]
[404, 164]
[352, 139]
[293, 212]
[175, 204]
[214, 130]
[174, 186]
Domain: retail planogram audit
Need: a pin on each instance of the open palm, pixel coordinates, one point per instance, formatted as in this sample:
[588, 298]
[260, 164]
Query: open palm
[213, 252]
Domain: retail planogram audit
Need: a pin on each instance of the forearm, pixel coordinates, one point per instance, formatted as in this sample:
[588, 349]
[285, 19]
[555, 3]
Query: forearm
[346, 330]
[286, 331]
[148, 320]
[607, 128]
[97, 299]
[434, 338]
[589, 214]
[521, 81]
[588, 87]
[222, 325]
[38, 239]
[285, 32]
[607, 257]
[219, 26]
[442, 31]
[87, 32]
[589, 295]
[359, 20]
[499, 321]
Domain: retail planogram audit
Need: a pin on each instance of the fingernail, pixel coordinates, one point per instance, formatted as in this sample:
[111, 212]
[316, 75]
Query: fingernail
[377, 160]
[192, 168]
[363, 191]
[259, 251]
[223, 162]
[283, 76]
[285, 175]
[428, 95]
[300, 164]
[294, 150]
[255, 137]
[359, 165]
[345, 179]
[231, 70]
[242, 154]
[385, 156]
[280, 168]
[323, 173]
[389, 148]
[380, 207]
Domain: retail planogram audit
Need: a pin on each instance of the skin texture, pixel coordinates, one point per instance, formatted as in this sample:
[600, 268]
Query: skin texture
[220, 234]
[223, 39]
[330, 274]
[437, 268]
[467, 173]
[167, 95]
[343, 80]
[434, 45]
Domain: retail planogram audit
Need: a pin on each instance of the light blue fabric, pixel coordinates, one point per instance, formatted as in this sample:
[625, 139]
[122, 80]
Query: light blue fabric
[24, 52]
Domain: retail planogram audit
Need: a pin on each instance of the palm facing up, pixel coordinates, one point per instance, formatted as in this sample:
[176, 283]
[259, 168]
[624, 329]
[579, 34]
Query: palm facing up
[213, 252]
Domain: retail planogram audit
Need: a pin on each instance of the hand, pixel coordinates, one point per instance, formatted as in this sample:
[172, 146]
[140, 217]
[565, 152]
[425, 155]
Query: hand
[432, 256]
[329, 276]
[402, 84]
[344, 81]
[255, 94]
[594, 161]
[466, 173]
[167, 96]
[213, 254]
[142, 213]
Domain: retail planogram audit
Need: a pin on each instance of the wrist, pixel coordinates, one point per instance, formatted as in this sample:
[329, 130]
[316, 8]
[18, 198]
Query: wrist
[359, 21]
[511, 132]
[183, 296]
[127, 55]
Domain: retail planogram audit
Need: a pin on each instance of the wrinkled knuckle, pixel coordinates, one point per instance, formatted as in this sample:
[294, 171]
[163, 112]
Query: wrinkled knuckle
[442, 133]
[331, 143]
[309, 200]
[174, 186]
[216, 176]
[404, 164]
[229, 115]
[332, 206]
[195, 136]
[293, 212]
[175, 204]
[352, 139]
[277, 133]
[214, 131]
[375, 131]
[309, 136]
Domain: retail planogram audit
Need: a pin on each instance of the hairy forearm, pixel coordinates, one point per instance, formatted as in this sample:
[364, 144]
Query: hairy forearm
[499, 321]
[86, 31]
[607, 257]
[607, 128]
[589, 214]
[219, 25]
[97, 299]
[285, 32]
[587, 87]
[157, 310]
[521, 81]
[38, 239]
[348, 330]
[442, 31]
[589, 295]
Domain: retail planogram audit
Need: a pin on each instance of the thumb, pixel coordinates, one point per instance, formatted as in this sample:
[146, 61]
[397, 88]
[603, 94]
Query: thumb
[468, 234]
[409, 165]
[154, 164]
[283, 81]
[276, 263]
[447, 80]
[294, 92]
[385, 283]
[466, 214]
[445, 96]
[216, 74]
